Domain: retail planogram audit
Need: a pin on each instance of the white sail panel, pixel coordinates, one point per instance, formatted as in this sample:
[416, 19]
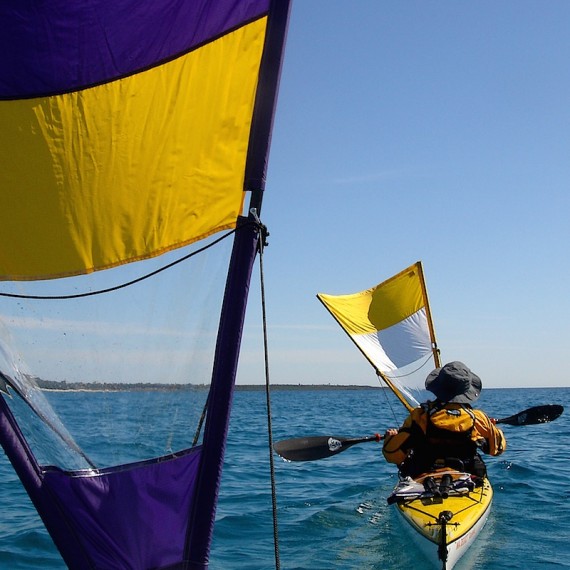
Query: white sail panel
[398, 345]
[408, 341]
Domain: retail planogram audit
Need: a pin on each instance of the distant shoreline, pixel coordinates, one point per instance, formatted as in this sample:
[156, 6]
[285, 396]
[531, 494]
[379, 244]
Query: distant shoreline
[55, 386]
[63, 386]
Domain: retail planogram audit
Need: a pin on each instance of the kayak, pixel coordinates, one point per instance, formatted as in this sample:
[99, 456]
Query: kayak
[445, 510]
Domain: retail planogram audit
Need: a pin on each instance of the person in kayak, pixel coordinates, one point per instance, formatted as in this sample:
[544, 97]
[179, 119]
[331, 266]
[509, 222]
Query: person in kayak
[447, 432]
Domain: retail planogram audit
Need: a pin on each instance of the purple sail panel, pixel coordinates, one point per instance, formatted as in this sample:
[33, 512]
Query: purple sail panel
[64, 45]
[130, 517]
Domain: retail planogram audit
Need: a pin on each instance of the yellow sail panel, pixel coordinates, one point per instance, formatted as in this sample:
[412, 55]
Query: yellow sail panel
[396, 299]
[389, 322]
[379, 307]
[129, 169]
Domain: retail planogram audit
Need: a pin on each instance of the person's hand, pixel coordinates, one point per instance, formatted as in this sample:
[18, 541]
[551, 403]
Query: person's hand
[390, 432]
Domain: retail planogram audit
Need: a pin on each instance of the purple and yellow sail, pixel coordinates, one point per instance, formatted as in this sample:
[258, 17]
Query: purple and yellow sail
[124, 128]
[129, 128]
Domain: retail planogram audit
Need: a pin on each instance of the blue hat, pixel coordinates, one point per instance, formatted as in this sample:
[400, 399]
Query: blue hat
[454, 383]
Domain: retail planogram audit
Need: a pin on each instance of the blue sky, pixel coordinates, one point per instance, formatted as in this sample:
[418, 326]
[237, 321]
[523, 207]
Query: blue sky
[404, 131]
[421, 131]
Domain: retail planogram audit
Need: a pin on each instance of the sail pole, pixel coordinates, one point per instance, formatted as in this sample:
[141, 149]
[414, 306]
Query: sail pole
[266, 103]
[434, 348]
[221, 394]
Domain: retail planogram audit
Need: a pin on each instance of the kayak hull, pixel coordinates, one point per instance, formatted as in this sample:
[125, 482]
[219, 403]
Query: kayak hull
[445, 523]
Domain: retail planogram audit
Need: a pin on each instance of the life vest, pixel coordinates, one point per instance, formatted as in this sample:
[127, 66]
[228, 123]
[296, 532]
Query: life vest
[449, 431]
[444, 436]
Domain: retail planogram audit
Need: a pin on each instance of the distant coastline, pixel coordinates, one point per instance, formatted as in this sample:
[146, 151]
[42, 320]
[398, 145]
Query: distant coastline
[157, 387]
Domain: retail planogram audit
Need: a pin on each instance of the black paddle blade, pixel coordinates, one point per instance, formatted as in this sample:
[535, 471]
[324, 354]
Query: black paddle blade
[536, 415]
[317, 447]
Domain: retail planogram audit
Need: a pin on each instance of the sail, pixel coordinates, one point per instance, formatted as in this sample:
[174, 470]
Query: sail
[390, 324]
[82, 100]
[129, 130]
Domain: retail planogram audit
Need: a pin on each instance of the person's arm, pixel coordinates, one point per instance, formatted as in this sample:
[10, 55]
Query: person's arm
[397, 443]
[495, 442]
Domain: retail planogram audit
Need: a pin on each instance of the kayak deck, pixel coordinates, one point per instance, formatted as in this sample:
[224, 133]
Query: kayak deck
[446, 510]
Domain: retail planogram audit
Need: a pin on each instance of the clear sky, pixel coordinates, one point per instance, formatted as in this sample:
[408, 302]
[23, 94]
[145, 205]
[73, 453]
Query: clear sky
[405, 131]
[433, 131]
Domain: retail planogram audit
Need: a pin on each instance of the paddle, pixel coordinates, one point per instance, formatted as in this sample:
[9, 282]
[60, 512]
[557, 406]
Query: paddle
[322, 446]
[318, 446]
[535, 415]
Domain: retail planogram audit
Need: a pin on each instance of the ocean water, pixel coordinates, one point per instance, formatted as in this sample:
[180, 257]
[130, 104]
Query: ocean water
[332, 513]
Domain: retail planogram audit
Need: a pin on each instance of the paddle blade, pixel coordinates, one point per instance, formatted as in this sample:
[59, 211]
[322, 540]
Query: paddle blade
[317, 447]
[535, 415]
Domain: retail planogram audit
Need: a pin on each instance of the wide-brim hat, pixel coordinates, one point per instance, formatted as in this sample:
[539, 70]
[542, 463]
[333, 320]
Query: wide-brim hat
[455, 383]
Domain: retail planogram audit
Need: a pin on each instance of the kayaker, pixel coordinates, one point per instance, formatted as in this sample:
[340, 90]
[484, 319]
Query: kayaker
[447, 432]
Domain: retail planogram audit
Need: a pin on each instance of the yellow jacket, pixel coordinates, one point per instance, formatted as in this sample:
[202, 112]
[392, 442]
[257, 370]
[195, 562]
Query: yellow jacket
[440, 425]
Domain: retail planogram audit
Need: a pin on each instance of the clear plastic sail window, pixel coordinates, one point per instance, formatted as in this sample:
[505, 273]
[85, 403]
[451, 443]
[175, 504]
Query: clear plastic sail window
[138, 357]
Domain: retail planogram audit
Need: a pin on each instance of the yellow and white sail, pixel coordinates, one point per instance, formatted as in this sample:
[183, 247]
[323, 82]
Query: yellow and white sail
[390, 323]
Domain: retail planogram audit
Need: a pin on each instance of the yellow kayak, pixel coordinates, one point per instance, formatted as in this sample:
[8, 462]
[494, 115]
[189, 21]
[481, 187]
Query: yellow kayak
[446, 510]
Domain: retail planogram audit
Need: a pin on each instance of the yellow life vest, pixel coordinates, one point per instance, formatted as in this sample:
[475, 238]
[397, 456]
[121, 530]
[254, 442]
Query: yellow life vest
[447, 437]
[449, 422]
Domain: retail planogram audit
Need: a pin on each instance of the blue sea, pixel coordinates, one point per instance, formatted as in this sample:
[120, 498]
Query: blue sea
[332, 513]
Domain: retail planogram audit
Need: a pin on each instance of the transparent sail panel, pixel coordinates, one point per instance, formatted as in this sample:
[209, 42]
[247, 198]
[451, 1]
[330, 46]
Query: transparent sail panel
[73, 369]
[410, 379]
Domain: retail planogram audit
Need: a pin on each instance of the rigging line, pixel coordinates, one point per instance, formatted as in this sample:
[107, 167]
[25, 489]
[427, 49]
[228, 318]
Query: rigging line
[262, 243]
[385, 390]
[427, 359]
[201, 421]
[128, 283]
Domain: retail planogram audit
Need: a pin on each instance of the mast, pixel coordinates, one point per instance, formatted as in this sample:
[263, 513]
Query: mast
[266, 103]
[202, 517]
[434, 348]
